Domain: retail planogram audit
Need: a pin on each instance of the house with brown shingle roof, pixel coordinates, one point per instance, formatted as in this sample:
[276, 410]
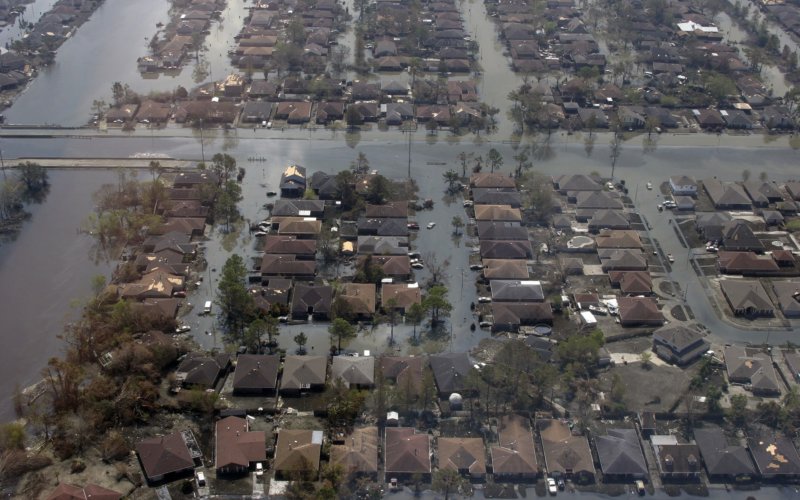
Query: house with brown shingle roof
[256, 374]
[237, 447]
[165, 457]
[746, 264]
[402, 295]
[395, 266]
[505, 269]
[618, 238]
[565, 454]
[303, 373]
[405, 372]
[775, 456]
[622, 260]
[467, 456]
[679, 344]
[66, 491]
[752, 367]
[406, 453]
[311, 300]
[392, 209]
[358, 456]
[497, 213]
[747, 297]
[510, 316]
[354, 372]
[514, 456]
[632, 282]
[359, 297]
[297, 451]
[638, 311]
[286, 244]
[506, 249]
[287, 266]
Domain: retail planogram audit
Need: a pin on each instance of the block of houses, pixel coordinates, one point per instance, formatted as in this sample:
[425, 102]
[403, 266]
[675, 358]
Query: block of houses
[297, 451]
[450, 371]
[620, 455]
[312, 300]
[514, 456]
[256, 374]
[753, 368]
[683, 185]
[565, 454]
[401, 296]
[303, 374]
[724, 461]
[237, 447]
[775, 456]
[406, 453]
[676, 460]
[639, 311]
[467, 456]
[679, 344]
[747, 297]
[358, 455]
[164, 458]
[354, 372]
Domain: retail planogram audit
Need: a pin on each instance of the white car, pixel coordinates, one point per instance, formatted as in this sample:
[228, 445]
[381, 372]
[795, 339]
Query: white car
[670, 257]
[468, 203]
[417, 265]
[649, 186]
[484, 300]
[259, 469]
[183, 329]
[551, 486]
[431, 225]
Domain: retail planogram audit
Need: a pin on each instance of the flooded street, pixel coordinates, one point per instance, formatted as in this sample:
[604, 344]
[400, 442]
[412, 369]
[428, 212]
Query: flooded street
[63, 93]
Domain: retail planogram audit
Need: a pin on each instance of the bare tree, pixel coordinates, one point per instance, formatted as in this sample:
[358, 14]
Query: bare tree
[437, 268]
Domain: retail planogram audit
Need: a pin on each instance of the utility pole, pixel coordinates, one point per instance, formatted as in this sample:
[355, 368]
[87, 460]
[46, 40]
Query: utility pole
[202, 147]
[2, 165]
[409, 153]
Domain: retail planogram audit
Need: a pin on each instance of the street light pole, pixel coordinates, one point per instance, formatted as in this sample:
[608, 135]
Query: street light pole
[409, 154]
[202, 147]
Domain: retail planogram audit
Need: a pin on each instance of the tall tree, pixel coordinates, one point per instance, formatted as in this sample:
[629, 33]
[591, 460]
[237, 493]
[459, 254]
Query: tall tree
[340, 330]
[495, 159]
[415, 314]
[449, 481]
[437, 304]
[301, 339]
[235, 301]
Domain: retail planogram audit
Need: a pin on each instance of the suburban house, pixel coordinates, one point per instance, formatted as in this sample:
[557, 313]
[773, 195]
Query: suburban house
[516, 291]
[565, 454]
[358, 455]
[303, 373]
[198, 370]
[298, 208]
[293, 181]
[359, 299]
[724, 461]
[506, 249]
[679, 344]
[621, 455]
[514, 456]
[632, 282]
[710, 224]
[746, 263]
[354, 372]
[392, 209]
[288, 266]
[165, 457]
[496, 230]
[510, 316]
[450, 371]
[788, 294]
[400, 295]
[618, 238]
[492, 180]
[747, 297]
[502, 213]
[753, 368]
[301, 249]
[237, 447]
[256, 374]
[638, 311]
[674, 460]
[467, 456]
[404, 372]
[505, 269]
[622, 260]
[608, 219]
[406, 453]
[573, 183]
[297, 451]
[727, 196]
[311, 300]
[393, 266]
[737, 236]
[683, 185]
[775, 456]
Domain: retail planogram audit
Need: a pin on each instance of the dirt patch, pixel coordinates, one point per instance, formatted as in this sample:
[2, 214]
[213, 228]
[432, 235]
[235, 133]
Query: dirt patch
[678, 313]
[655, 388]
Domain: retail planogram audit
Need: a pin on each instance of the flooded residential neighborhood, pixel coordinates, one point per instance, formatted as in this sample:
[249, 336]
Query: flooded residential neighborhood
[365, 249]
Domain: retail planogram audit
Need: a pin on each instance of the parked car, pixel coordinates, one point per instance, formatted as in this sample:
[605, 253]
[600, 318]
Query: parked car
[183, 329]
[561, 484]
[670, 257]
[431, 225]
[640, 487]
[484, 300]
[649, 186]
[485, 324]
[551, 486]
[201, 478]
[468, 203]
[417, 265]
[259, 469]
[413, 225]
[476, 267]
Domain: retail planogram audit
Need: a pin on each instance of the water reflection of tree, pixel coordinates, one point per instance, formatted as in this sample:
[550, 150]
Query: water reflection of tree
[230, 140]
[588, 145]
[649, 144]
[352, 138]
